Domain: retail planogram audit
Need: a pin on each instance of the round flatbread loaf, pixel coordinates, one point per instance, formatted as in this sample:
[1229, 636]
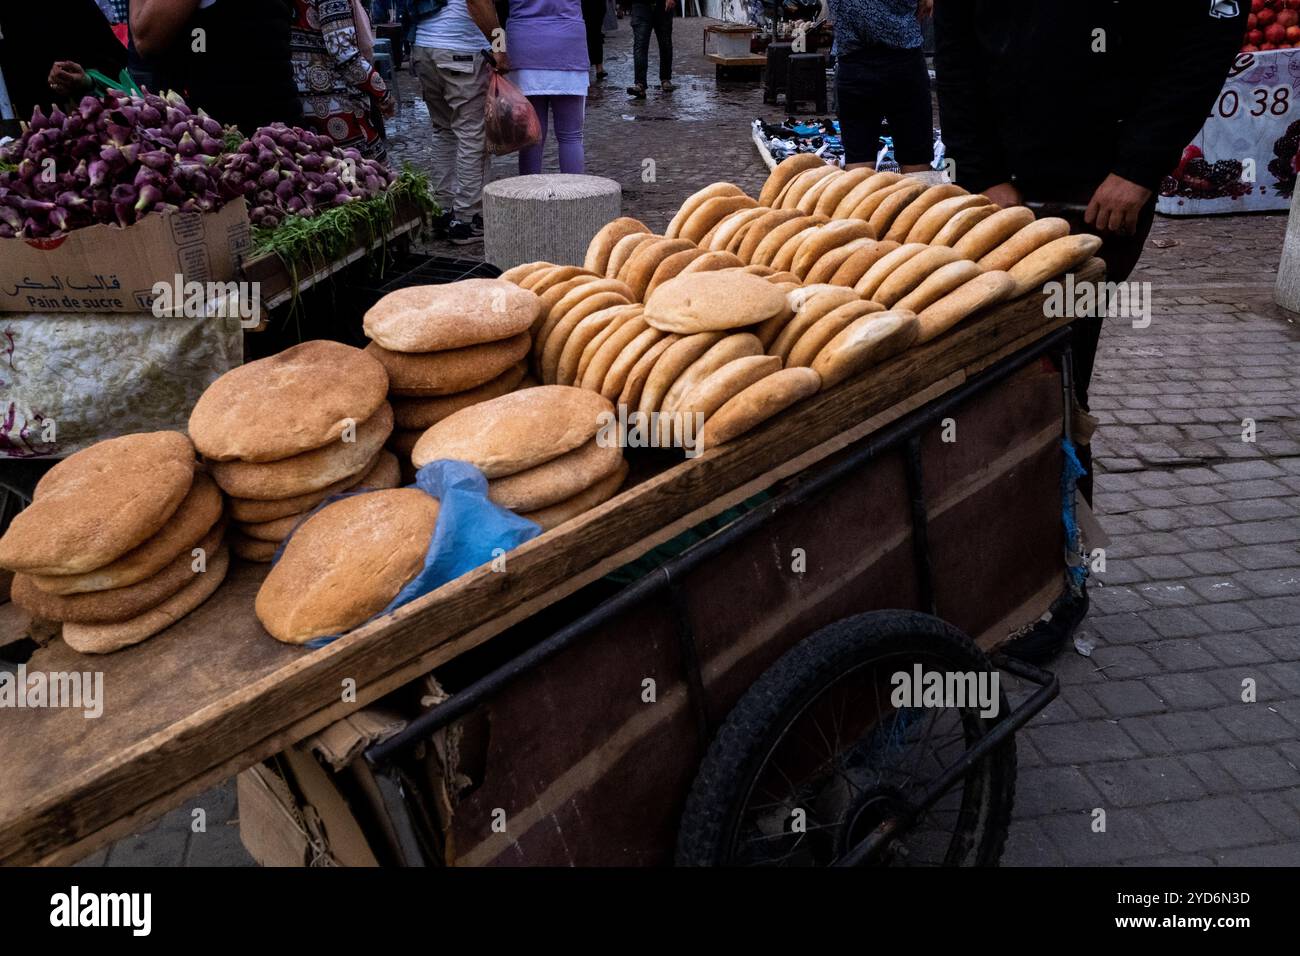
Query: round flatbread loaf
[602, 361]
[346, 563]
[725, 350]
[828, 199]
[811, 309]
[867, 341]
[885, 266]
[424, 374]
[824, 329]
[630, 396]
[882, 219]
[919, 206]
[616, 375]
[519, 273]
[720, 238]
[115, 604]
[756, 404]
[384, 472]
[938, 284]
[560, 478]
[712, 392]
[710, 212]
[422, 412]
[770, 246]
[993, 231]
[288, 403]
[623, 250]
[98, 504]
[852, 269]
[575, 344]
[909, 188]
[1047, 262]
[977, 294]
[711, 301]
[516, 431]
[937, 216]
[962, 223]
[621, 315]
[571, 298]
[712, 262]
[106, 638]
[311, 470]
[759, 230]
[603, 242]
[549, 364]
[434, 318]
[807, 203]
[912, 273]
[854, 197]
[197, 514]
[670, 268]
[543, 279]
[585, 500]
[1023, 242]
[803, 183]
[697, 199]
[676, 360]
[785, 171]
[641, 267]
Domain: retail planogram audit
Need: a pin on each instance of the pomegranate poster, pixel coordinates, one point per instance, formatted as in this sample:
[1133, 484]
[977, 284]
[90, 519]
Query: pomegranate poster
[1245, 157]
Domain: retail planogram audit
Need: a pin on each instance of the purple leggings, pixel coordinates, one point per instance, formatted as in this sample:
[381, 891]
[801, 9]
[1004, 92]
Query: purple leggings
[568, 112]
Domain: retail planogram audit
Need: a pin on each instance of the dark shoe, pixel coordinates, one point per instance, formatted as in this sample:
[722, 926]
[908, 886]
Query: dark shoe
[440, 225]
[476, 224]
[462, 233]
[600, 75]
[667, 86]
[636, 90]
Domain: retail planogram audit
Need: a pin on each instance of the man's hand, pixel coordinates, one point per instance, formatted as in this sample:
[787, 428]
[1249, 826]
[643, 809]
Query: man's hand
[503, 61]
[1005, 194]
[67, 78]
[1116, 205]
[924, 10]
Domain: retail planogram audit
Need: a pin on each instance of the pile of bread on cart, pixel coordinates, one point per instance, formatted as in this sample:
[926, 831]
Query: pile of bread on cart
[740, 310]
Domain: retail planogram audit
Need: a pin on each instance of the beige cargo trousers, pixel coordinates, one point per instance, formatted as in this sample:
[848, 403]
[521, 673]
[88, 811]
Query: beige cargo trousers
[454, 87]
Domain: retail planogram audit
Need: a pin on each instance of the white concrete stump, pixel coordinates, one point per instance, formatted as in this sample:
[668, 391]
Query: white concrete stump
[550, 217]
[1287, 291]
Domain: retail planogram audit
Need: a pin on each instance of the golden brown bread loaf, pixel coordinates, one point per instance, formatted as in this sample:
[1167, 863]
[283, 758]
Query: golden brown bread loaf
[315, 389]
[756, 404]
[384, 472]
[116, 604]
[311, 470]
[784, 172]
[427, 374]
[106, 638]
[603, 242]
[865, 342]
[412, 412]
[345, 564]
[712, 301]
[98, 504]
[433, 318]
[516, 431]
[556, 514]
[697, 199]
[558, 479]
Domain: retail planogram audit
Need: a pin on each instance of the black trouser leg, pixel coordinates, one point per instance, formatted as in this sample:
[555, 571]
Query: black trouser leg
[642, 25]
[664, 34]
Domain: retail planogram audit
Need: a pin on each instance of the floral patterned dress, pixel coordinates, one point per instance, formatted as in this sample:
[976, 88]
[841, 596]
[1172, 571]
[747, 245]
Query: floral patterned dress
[338, 86]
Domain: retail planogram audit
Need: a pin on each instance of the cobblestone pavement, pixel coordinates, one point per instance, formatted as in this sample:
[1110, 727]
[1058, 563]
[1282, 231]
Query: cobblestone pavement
[1202, 584]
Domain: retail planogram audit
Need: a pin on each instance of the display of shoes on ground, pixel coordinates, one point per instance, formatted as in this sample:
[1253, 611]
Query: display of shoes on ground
[822, 136]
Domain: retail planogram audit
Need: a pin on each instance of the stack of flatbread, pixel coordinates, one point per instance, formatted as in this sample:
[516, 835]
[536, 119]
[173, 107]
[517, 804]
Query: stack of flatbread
[446, 347]
[549, 453]
[121, 540]
[284, 433]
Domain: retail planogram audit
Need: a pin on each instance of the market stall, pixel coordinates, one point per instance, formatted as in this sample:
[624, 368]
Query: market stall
[1246, 155]
[858, 472]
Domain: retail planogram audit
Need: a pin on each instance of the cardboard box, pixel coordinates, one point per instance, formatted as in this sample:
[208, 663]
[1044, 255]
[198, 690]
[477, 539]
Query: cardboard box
[110, 269]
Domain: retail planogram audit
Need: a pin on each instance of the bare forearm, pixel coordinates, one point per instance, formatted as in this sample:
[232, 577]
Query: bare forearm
[156, 24]
[484, 15]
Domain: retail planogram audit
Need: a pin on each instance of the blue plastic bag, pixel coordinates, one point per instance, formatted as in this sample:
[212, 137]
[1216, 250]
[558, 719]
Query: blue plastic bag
[470, 532]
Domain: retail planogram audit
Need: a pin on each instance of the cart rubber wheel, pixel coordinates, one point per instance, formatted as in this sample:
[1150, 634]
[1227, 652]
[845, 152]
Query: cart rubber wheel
[811, 760]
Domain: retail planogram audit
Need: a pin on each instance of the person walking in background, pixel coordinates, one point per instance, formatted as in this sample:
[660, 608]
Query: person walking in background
[451, 38]
[881, 76]
[652, 16]
[336, 79]
[593, 14]
[1068, 107]
[547, 40]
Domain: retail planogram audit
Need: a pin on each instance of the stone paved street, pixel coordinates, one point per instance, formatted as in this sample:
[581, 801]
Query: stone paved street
[1200, 599]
